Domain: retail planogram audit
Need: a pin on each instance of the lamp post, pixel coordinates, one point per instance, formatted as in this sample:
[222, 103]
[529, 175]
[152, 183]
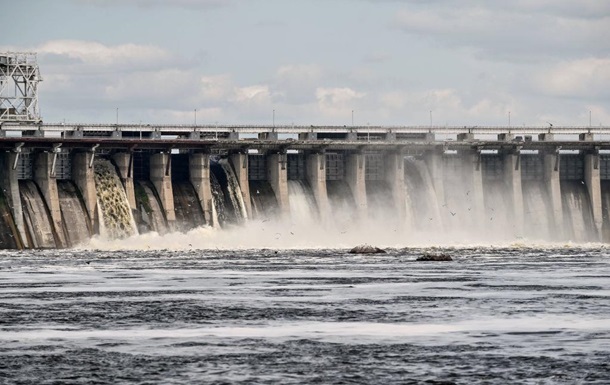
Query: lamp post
[273, 119]
[195, 116]
[509, 119]
[117, 116]
[352, 117]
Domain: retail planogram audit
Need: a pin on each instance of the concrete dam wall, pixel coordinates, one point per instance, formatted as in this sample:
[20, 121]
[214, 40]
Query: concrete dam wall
[61, 199]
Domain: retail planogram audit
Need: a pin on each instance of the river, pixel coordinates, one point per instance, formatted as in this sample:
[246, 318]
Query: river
[520, 314]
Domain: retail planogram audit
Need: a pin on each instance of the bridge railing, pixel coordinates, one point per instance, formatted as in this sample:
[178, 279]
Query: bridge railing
[179, 129]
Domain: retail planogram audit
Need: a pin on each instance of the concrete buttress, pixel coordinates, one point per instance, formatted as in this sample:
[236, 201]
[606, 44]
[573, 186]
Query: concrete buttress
[124, 162]
[10, 186]
[434, 162]
[44, 176]
[355, 176]
[161, 178]
[512, 180]
[553, 187]
[83, 177]
[472, 170]
[593, 183]
[316, 176]
[277, 175]
[395, 176]
[199, 172]
[239, 161]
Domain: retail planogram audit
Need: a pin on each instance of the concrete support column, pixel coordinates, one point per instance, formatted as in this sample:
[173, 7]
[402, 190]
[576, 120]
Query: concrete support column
[395, 176]
[356, 179]
[316, 176]
[593, 183]
[199, 171]
[10, 189]
[44, 176]
[239, 161]
[434, 162]
[124, 162]
[83, 177]
[512, 181]
[473, 176]
[161, 177]
[553, 186]
[277, 175]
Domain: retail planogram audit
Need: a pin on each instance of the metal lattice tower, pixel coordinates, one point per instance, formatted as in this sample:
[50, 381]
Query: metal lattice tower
[19, 77]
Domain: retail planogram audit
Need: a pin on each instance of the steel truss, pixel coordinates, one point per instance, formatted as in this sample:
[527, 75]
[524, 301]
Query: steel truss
[19, 77]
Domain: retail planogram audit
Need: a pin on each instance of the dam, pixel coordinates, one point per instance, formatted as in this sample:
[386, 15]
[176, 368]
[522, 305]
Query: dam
[63, 184]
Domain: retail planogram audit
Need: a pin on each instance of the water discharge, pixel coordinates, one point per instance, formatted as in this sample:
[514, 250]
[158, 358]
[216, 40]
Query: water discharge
[303, 208]
[116, 219]
[456, 205]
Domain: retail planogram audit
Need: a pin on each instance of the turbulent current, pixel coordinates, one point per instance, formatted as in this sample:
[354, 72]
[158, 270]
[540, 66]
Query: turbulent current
[493, 315]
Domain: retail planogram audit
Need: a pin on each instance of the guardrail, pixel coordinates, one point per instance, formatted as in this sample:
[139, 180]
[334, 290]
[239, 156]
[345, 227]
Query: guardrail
[301, 129]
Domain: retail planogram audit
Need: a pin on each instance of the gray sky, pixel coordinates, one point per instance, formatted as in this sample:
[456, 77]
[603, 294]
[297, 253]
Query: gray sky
[470, 62]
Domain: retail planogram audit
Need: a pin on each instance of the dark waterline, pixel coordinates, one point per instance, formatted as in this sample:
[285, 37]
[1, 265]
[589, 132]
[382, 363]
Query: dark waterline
[505, 315]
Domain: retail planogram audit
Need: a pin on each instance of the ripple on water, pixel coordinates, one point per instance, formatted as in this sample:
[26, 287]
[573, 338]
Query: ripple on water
[495, 315]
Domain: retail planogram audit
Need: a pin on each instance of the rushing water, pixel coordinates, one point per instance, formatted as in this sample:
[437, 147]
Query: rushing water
[493, 315]
[116, 217]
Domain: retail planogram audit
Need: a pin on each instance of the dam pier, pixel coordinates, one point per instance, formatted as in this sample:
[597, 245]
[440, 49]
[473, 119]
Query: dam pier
[549, 183]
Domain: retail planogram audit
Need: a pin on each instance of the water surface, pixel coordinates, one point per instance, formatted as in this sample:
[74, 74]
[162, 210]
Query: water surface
[493, 315]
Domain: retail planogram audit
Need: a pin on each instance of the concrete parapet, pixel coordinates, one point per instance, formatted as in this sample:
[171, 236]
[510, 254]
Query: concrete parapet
[277, 175]
[10, 188]
[124, 162]
[587, 137]
[199, 172]
[239, 162]
[355, 176]
[464, 137]
[395, 176]
[316, 176]
[547, 137]
[161, 177]
[553, 186]
[512, 180]
[83, 177]
[44, 176]
[267, 136]
[505, 137]
[593, 183]
[308, 136]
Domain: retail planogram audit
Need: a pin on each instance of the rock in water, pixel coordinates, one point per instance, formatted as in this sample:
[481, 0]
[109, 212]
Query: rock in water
[366, 249]
[435, 257]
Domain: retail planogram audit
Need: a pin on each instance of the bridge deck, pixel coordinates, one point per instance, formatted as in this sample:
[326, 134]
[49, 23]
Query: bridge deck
[300, 129]
[46, 143]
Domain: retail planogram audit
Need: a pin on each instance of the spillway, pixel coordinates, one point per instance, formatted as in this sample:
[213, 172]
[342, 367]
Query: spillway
[36, 215]
[74, 213]
[150, 212]
[448, 197]
[116, 219]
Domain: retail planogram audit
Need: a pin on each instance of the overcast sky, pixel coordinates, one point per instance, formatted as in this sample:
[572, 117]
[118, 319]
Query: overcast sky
[469, 62]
